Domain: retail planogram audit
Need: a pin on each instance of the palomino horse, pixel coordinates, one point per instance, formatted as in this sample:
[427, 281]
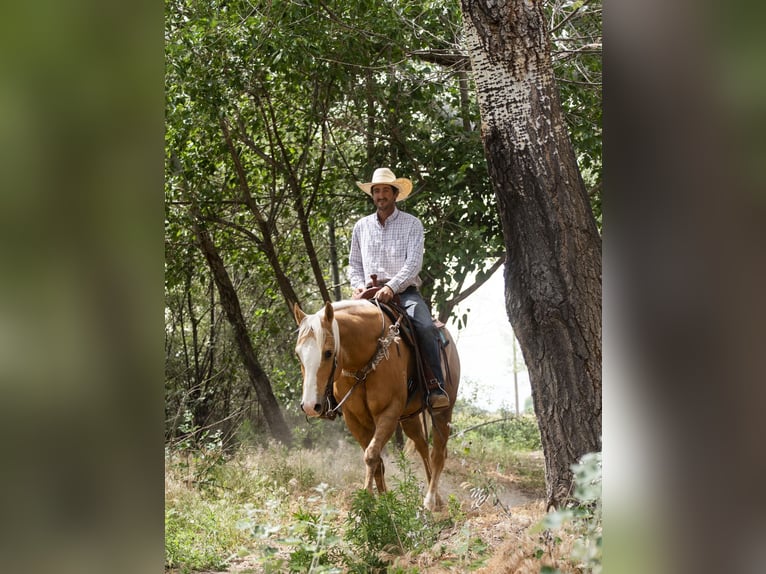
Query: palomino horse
[353, 346]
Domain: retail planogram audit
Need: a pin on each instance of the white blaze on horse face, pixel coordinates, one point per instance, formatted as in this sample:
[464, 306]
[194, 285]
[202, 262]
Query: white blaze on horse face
[310, 355]
[310, 350]
[311, 339]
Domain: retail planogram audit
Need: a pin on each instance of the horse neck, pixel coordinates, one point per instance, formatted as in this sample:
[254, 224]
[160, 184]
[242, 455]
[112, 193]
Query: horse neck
[359, 334]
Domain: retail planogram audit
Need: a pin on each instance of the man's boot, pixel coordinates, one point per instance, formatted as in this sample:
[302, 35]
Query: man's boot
[437, 398]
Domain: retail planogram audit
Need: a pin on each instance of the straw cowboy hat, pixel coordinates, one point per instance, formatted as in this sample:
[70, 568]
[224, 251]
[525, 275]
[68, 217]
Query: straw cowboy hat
[383, 175]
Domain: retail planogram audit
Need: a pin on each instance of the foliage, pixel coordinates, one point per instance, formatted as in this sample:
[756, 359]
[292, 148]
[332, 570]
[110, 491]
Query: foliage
[392, 522]
[242, 499]
[200, 453]
[272, 504]
[315, 539]
[201, 535]
[582, 517]
[510, 432]
[576, 51]
[304, 99]
[499, 440]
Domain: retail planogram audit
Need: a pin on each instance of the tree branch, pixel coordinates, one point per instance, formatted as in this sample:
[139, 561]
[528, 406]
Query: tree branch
[478, 283]
[443, 58]
[449, 305]
[569, 16]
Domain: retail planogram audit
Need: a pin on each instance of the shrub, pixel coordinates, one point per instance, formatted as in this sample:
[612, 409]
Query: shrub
[315, 539]
[582, 517]
[392, 522]
[511, 432]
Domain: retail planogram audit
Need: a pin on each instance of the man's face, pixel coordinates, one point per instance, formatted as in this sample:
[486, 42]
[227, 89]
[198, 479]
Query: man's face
[384, 196]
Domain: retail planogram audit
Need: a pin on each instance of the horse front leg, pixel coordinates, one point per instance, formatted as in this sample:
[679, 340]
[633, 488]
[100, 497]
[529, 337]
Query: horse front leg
[379, 474]
[385, 425]
[363, 433]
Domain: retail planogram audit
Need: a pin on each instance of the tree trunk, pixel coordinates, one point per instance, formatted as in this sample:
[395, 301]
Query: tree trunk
[335, 270]
[553, 270]
[303, 224]
[233, 310]
[269, 249]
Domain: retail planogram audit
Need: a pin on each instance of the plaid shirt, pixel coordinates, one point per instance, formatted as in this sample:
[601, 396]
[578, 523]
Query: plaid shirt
[393, 252]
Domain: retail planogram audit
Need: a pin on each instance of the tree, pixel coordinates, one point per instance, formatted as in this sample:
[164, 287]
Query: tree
[553, 267]
[233, 309]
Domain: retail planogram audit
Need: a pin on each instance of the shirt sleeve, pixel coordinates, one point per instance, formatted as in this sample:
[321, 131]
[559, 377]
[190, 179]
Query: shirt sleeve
[414, 257]
[356, 267]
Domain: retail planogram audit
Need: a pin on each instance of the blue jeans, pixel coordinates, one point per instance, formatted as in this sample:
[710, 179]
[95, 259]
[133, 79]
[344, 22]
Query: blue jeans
[425, 331]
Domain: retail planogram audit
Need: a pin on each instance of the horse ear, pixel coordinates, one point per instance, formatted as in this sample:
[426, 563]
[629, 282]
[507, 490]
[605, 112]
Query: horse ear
[328, 312]
[298, 313]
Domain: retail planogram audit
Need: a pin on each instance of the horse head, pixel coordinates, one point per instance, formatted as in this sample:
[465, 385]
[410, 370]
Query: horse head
[317, 349]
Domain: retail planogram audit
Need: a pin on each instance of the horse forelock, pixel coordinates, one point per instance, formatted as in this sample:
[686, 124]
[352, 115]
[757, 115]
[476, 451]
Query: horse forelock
[312, 326]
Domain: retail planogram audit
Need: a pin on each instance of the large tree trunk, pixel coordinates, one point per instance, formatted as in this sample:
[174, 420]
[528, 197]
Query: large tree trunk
[553, 270]
[233, 310]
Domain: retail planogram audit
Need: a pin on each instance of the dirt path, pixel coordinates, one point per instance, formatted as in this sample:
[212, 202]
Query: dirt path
[465, 481]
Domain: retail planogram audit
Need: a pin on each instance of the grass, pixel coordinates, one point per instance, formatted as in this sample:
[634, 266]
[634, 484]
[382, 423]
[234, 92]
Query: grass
[267, 509]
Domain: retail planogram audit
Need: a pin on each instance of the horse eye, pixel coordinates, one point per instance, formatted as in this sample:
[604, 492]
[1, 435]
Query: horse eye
[327, 354]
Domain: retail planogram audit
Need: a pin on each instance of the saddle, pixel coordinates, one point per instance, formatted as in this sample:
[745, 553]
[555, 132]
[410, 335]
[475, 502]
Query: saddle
[425, 380]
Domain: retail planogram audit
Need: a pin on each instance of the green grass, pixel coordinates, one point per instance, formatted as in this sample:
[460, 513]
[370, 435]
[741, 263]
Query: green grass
[201, 535]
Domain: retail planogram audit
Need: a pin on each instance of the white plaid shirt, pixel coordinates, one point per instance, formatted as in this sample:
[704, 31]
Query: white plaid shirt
[393, 252]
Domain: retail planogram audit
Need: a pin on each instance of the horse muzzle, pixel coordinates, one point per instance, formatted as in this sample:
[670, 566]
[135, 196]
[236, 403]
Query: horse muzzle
[311, 411]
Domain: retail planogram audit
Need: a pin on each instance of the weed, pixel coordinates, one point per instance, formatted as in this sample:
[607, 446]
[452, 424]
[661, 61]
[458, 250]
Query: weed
[483, 489]
[471, 551]
[394, 522]
[315, 539]
[263, 503]
[200, 537]
[582, 517]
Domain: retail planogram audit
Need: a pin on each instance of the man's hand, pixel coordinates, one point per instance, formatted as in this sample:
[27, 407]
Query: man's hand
[357, 292]
[385, 294]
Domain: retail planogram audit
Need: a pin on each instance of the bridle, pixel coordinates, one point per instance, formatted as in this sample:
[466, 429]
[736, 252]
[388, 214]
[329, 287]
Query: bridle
[326, 400]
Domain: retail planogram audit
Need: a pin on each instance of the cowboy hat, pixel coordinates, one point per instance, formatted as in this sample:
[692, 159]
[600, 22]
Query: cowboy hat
[383, 175]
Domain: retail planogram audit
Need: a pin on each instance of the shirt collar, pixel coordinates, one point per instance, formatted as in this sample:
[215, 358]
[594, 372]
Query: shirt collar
[393, 217]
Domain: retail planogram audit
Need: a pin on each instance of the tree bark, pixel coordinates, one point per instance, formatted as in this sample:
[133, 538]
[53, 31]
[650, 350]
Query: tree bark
[233, 310]
[335, 270]
[553, 270]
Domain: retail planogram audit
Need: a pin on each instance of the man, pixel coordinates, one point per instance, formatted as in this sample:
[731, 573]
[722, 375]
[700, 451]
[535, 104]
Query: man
[389, 244]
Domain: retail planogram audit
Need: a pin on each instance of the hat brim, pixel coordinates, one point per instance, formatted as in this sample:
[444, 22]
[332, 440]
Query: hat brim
[403, 184]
